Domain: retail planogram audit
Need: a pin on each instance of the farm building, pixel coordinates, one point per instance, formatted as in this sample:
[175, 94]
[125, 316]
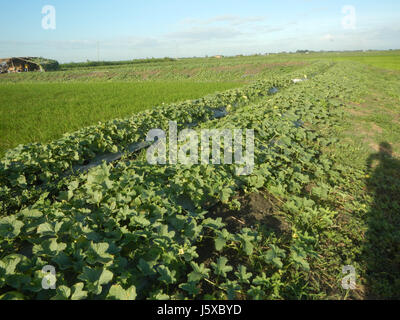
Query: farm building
[27, 64]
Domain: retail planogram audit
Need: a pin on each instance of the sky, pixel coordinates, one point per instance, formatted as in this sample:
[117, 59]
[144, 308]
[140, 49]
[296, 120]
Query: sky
[93, 30]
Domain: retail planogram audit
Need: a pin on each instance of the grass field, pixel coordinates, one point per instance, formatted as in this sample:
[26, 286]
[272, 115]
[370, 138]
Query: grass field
[244, 69]
[389, 62]
[41, 112]
[322, 195]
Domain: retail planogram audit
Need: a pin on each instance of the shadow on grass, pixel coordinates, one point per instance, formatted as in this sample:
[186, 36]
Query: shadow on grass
[383, 237]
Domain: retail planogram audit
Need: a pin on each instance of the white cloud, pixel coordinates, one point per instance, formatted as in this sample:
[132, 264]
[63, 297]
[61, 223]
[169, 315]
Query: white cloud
[232, 20]
[328, 37]
[207, 33]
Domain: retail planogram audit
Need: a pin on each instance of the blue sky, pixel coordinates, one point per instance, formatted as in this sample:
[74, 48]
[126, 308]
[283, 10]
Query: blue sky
[123, 29]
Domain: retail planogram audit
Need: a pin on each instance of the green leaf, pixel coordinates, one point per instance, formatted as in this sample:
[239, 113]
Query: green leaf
[98, 175]
[256, 181]
[273, 256]
[257, 293]
[73, 185]
[242, 274]
[163, 231]
[248, 247]
[49, 247]
[199, 272]
[222, 238]
[12, 295]
[118, 293]
[221, 268]
[246, 240]
[10, 227]
[65, 195]
[96, 196]
[159, 295]
[146, 267]
[190, 254]
[9, 264]
[166, 275]
[277, 262]
[299, 258]
[46, 229]
[18, 280]
[215, 224]
[95, 278]
[63, 293]
[190, 287]
[31, 213]
[22, 181]
[97, 253]
[261, 280]
[140, 220]
[64, 261]
[77, 292]
[220, 243]
[231, 287]
[226, 194]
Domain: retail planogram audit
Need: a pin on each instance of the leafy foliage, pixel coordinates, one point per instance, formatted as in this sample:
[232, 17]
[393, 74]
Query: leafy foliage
[130, 230]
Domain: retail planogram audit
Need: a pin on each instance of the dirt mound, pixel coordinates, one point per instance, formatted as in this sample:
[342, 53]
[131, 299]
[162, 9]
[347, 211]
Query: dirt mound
[256, 209]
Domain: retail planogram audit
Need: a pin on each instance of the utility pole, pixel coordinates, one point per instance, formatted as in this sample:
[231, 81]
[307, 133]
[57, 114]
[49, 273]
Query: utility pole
[98, 51]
